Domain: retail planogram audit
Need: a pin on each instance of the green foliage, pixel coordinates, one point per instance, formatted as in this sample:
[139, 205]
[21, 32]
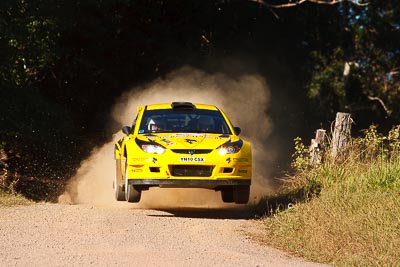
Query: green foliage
[367, 41]
[394, 140]
[28, 42]
[371, 161]
[301, 156]
[325, 83]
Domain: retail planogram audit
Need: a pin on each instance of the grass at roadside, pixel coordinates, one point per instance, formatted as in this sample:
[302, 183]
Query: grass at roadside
[350, 209]
[7, 200]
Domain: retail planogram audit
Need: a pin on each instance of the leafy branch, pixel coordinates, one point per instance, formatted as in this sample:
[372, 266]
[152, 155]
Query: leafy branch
[292, 3]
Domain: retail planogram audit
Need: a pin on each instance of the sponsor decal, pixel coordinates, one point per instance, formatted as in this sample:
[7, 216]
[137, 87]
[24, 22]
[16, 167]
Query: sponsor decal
[169, 143]
[240, 159]
[193, 159]
[209, 136]
[190, 141]
[139, 159]
[188, 135]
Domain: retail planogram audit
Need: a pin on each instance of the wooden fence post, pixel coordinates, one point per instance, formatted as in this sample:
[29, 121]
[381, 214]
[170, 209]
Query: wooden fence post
[317, 147]
[341, 133]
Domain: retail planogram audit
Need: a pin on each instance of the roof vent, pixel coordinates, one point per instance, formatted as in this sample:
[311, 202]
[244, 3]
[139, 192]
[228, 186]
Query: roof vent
[182, 105]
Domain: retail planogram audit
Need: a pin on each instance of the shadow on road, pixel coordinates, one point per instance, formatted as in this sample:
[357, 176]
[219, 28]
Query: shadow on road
[246, 212]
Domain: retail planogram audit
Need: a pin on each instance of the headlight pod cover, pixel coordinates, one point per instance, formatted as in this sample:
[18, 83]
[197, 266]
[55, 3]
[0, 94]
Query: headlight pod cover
[230, 147]
[150, 147]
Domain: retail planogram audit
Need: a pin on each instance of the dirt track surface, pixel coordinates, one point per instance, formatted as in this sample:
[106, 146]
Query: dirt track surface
[78, 235]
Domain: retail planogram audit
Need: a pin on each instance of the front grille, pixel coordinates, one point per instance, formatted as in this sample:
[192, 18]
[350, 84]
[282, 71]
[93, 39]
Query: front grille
[192, 151]
[191, 170]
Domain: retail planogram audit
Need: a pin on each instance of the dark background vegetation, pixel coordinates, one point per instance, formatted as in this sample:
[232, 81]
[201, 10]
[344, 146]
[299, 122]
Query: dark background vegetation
[64, 63]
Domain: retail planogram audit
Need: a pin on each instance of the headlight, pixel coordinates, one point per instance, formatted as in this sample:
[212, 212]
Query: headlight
[153, 149]
[150, 147]
[230, 147]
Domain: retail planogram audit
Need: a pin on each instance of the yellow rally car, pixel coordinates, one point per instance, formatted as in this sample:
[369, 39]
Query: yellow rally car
[182, 145]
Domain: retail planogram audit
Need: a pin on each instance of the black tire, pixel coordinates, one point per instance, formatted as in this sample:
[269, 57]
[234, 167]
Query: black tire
[241, 194]
[227, 195]
[117, 185]
[132, 194]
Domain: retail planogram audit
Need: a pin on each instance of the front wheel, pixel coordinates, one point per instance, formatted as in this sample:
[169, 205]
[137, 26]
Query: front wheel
[241, 194]
[118, 182]
[132, 194]
[227, 195]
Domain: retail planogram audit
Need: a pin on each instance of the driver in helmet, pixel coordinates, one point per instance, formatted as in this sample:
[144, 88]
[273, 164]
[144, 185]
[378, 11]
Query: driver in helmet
[154, 126]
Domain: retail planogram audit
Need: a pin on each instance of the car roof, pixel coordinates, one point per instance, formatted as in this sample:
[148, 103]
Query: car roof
[170, 106]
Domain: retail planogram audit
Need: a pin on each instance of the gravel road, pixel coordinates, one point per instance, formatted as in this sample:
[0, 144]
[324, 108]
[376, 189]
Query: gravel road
[122, 235]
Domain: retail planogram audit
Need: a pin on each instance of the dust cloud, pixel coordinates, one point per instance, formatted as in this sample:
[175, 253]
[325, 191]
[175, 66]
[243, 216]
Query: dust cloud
[245, 99]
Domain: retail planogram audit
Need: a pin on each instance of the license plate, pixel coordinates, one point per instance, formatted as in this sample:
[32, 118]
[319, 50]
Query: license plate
[193, 159]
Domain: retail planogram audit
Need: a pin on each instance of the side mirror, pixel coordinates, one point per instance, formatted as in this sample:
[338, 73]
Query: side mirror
[126, 130]
[237, 130]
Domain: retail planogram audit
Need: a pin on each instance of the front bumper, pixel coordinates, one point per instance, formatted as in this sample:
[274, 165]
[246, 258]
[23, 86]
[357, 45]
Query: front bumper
[172, 167]
[192, 183]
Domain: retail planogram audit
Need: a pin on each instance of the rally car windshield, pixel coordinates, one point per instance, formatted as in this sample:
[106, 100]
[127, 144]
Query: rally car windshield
[189, 121]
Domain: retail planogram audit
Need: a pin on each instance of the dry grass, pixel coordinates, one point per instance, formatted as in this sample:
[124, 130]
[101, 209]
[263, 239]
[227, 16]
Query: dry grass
[354, 229]
[8, 197]
[350, 213]
[7, 200]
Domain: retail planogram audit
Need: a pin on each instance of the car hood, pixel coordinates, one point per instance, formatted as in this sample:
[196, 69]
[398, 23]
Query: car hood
[189, 140]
